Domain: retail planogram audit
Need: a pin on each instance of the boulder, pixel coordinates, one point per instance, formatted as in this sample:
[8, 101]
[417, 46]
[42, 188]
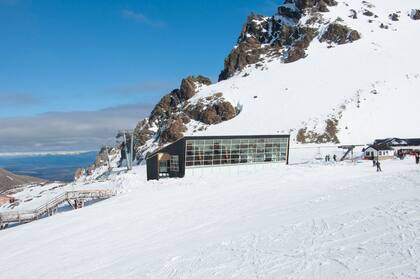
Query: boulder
[415, 14]
[394, 17]
[353, 14]
[218, 112]
[339, 34]
[188, 86]
[367, 13]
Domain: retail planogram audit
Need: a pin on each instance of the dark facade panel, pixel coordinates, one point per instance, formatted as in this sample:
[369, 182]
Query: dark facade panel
[152, 168]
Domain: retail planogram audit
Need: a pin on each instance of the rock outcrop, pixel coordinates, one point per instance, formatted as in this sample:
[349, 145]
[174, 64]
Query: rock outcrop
[339, 34]
[169, 118]
[189, 86]
[415, 14]
[328, 135]
[212, 110]
[394, 17]
[285, 35]
[102, 164]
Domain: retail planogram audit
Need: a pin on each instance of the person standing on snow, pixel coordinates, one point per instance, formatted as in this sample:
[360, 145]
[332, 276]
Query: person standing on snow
[335, 158]
[378, 166]
[417, 156]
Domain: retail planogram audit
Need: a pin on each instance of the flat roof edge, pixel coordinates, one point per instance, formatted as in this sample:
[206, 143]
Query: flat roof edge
[238, 136]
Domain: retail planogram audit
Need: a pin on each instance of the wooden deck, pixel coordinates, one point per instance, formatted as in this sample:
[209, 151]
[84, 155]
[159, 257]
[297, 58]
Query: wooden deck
[75, 199]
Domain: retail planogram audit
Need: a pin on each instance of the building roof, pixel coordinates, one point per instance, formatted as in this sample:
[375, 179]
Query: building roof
[238, 136]
[379, 147]
[398, 142]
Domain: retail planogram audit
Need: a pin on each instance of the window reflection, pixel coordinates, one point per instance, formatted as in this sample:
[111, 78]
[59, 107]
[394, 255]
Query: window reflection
[235, 151]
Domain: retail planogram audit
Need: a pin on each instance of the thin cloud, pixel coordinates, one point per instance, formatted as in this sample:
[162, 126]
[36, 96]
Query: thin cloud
[18, 100]
[142, 18]
[57, 131]
[146, 87]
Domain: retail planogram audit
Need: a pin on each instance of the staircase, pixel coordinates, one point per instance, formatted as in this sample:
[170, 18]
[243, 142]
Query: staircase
[75, 199]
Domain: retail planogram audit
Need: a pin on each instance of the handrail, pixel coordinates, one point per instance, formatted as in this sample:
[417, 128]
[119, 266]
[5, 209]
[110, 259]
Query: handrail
[24, 215]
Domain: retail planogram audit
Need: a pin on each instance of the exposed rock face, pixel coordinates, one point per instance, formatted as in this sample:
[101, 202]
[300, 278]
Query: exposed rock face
[174, 131]
[167, 121]
[329, 134]
[212, 110]
[285, 35]
[269, 36]
[142, 133]
[339, 34]
[189, 86]
[103, 162]
[415, 14]
[314, 5]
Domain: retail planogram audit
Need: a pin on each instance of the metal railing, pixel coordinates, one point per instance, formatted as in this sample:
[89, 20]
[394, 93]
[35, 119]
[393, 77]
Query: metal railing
[23, 216]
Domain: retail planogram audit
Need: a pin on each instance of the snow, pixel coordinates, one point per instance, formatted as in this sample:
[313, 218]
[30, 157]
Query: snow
[308, 92]
[311, 220]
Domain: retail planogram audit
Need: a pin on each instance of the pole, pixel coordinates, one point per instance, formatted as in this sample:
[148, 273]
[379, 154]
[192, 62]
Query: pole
[126, 151]
[131, 150]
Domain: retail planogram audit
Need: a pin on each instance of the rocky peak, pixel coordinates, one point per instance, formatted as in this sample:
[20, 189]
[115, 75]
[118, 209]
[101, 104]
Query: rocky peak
[285, 35]
[313, 5]
[169, 119]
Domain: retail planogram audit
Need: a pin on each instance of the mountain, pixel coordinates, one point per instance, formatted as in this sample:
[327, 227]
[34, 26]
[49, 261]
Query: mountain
[10, 180]
[324, 71]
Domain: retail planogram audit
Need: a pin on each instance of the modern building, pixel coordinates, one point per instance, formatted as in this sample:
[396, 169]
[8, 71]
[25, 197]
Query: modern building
[211, 151]
[378, 152]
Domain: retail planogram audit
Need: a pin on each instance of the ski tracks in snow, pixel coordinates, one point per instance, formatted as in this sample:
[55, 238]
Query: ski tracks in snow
[376, 242]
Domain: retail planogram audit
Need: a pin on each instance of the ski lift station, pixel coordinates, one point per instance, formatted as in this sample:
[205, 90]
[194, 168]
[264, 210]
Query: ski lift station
[216, 151]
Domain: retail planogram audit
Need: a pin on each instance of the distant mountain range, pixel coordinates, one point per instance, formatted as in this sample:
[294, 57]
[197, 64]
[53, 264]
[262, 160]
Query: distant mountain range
[9, 180]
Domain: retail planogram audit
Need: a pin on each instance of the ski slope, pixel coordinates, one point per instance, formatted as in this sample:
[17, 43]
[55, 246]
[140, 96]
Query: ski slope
[313, 220]
[371, 85]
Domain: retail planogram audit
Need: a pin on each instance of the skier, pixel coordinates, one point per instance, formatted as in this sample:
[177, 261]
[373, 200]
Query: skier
[335, 158]
[373, 162]
[417, 155]
[378, 166]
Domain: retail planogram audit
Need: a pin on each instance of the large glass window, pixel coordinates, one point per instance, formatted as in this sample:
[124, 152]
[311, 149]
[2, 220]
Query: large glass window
[235, 151]
[174, 163]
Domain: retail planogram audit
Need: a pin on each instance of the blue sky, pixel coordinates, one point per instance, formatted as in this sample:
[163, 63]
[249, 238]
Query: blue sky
[87, 55]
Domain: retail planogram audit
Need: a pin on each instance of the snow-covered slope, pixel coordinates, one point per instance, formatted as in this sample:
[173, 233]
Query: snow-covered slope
[371, 86]
[274, 221]
[323, 71]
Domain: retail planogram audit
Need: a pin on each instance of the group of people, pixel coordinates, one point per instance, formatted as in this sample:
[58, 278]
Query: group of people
[328, 158]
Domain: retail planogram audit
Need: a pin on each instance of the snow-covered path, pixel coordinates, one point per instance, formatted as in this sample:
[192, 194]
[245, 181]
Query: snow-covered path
[302, 221]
